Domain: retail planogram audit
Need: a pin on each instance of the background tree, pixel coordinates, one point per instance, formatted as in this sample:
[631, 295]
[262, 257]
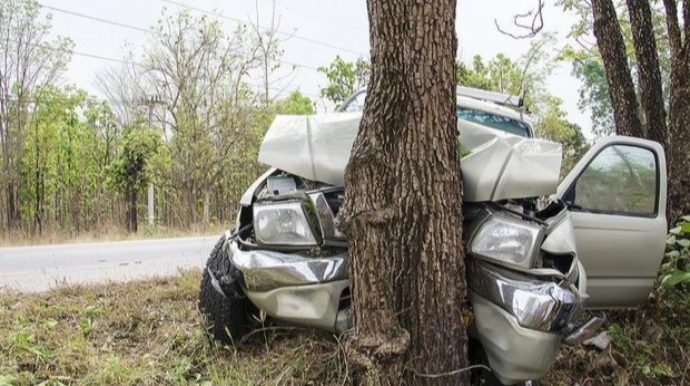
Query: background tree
[28, 60]
[403, 205]
[198, 71]
[587, 63]
[662, 66]
[131, 171]
[344, 78]
[612, 47]
[649, 73]
[295, 104]
[679, 111]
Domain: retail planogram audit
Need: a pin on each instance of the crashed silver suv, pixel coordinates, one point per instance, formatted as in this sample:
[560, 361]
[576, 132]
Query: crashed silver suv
[542, 255]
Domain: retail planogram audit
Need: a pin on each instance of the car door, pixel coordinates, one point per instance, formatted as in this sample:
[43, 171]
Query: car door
[617, 197]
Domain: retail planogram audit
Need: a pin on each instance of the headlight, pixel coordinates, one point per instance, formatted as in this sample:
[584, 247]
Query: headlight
[507, 240]
[283, 224]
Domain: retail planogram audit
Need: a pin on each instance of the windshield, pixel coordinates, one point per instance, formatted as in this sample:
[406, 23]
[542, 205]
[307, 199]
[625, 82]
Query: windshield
[497, 122]
[494, 121]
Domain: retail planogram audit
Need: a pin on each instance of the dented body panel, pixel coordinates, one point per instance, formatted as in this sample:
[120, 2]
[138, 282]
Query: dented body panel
[499, 165]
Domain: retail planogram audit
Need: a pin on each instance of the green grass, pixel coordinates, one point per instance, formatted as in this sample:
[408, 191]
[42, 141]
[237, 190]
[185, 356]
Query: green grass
[146, 333]
[150, 333]
[651, 346]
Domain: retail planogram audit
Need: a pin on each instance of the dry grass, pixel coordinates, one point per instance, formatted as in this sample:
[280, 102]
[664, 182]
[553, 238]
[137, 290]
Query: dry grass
[107, 233]
[150, 333]
[146, 333]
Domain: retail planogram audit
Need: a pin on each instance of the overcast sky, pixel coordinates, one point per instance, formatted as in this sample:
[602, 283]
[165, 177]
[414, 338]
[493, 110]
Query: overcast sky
[342, 24]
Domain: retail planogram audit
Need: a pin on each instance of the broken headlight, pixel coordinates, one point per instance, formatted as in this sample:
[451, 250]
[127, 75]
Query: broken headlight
[507, 240]
[283, 223]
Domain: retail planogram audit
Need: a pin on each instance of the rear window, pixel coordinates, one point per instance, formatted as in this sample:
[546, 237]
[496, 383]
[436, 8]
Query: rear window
[494, 121]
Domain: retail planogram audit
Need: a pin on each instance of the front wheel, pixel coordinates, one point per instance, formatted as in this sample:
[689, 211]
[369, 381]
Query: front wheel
[226, 317]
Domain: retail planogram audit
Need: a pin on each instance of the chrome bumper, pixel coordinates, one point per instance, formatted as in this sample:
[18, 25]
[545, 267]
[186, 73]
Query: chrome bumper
[536, 304]
[268, 270]
[515, 314]
[295, 288]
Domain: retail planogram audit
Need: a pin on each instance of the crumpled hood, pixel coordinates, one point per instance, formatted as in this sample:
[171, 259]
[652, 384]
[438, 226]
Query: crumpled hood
[499, 166]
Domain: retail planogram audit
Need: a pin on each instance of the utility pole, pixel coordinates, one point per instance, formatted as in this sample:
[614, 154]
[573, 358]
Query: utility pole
[151, 102]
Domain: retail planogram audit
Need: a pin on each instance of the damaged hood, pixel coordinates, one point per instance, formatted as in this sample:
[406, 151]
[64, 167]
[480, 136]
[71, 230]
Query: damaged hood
[499, 166]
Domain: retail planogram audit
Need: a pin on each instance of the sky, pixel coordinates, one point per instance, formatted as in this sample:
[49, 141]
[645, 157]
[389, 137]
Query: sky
[315, 31]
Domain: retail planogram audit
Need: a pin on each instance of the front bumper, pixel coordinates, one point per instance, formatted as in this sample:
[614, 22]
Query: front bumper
[536, 304]
[308, 291]
[514, 314]
[264, 270]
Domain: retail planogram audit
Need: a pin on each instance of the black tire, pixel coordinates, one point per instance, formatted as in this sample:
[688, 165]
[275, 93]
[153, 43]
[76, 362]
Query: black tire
[227, 318]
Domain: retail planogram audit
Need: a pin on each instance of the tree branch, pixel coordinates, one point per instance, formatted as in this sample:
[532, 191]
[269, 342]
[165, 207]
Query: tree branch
[532, 29]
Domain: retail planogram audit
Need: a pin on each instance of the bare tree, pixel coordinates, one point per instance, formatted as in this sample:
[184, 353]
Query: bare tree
[28, 61]
[528, 30]
[267, 50]
[403, 206]
[199, 73]
[123, 87]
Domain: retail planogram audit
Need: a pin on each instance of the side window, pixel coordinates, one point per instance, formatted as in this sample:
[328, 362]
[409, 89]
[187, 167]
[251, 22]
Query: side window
[622, 179]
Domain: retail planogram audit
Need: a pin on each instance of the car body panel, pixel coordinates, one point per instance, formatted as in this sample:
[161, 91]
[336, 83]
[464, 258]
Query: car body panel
[499, 165]
[620, 251]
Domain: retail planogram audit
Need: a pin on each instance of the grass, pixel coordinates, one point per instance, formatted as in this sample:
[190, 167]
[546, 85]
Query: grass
[150, 333]
[651, 346]
[107, 233]
[146, 333]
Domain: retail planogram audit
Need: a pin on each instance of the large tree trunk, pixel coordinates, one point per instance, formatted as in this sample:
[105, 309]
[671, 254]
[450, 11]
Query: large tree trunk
[607, 30]
[679, 122]
[651, 92]
[403, 206]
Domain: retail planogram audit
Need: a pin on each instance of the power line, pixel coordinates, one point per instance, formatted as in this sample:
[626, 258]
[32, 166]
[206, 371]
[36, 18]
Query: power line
[288, 34]
[99, 57]
[95, 18]
[135, 28]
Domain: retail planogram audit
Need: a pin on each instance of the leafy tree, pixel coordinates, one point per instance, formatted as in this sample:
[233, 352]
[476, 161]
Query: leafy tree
[585, 57]
[29, 60]
[594, 95]
[552, 124]
[131, 171]
[295, 104]
[500, 74]
[344, 78]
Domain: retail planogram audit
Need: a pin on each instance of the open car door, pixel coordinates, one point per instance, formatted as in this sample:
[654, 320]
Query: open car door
[617, 197]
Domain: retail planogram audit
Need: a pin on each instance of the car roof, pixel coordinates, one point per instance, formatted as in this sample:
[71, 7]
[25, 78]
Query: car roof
[477, 104]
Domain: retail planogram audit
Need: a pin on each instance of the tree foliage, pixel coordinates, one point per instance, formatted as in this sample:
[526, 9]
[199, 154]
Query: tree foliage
[184, 117]
[344, 78]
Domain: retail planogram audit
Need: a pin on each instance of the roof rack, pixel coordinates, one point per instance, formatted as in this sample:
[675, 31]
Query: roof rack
[491, 96]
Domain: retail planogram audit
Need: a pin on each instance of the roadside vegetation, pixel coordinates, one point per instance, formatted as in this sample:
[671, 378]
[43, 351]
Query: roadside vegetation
[150, 333]
[147, 333]
[110, 233]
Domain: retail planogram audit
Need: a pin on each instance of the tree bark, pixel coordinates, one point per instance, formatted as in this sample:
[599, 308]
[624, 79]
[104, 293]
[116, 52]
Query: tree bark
[403, 206]
[679, 119]
[651, 93]
[609, 37]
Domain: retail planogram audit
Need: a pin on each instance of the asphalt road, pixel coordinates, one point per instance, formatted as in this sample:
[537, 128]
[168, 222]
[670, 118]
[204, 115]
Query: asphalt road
[38, 268]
